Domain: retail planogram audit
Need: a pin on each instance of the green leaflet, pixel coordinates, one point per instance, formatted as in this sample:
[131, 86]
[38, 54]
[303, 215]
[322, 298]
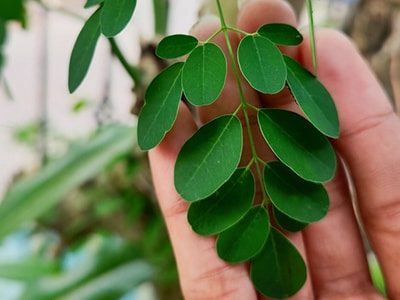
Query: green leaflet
[83, 51]
[3, 32]
[281, 34]
[288, 223]
[90, 3]
[313, 98]
[115, 15]
[209, 158]
[262, 64]
[225, 207]
[161, 107]
[204, 74]
[175, 46]
[246, 238]
[298, 144]
[279, 270]
[12, 10]
[301, 200]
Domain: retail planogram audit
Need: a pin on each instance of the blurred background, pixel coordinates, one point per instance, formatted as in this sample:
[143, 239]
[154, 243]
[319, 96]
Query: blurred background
[78, 217]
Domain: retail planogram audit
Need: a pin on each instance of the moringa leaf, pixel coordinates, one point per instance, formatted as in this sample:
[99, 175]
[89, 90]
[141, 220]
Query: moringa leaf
[225, 207]
[12, 10]
[161, 107]
[204, 74]
[209, 158]
[301, 200]
[281, 34]
[278, 271]
[298, 144]
[246, 238]
[262, 64]
[115, 15]
[313, 98]
[90, 3]
[287, 223]
[175, 46]
[82, 53]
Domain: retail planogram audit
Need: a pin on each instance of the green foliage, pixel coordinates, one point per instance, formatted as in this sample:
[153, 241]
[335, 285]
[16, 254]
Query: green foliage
[12, 10]
[262, 64]
[287, 223]
[204, 74]
[90, 3]
[202, 167]
[279, 270]
[161, 107]
[175, 46]
[115, 15]
[205, 216]
[82, 53]
[281, 34]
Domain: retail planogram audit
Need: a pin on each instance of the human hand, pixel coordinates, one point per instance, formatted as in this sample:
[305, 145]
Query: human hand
[369, 145]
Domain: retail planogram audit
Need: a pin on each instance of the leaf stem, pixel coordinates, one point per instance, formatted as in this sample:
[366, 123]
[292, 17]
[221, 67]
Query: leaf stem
[243, 101]
[213, 36]
[237, 30]
[310, 13]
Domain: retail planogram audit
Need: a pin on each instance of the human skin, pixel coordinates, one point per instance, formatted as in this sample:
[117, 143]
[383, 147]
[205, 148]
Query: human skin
[369, 146]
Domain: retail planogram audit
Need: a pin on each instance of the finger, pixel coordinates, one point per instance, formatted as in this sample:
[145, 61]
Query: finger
[369, 142]
[335, 249]
[202, 274]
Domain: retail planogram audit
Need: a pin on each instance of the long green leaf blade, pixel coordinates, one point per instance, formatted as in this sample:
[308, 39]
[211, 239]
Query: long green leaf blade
[115, 15]
[161, 107]
[225, 207]
[209, 158]
[82, 53]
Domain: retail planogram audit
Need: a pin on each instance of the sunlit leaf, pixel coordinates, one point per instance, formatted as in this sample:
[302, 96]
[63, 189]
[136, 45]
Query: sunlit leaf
[115, 15]
[279, 270]
[225, 207]
[82, 53]
[301, 200]
[174, 46]
[262, 64]
[313, 98]
[281, 34]
[298, 144]
[246, 238]
[161, 107]
[209, 158]
[204, 74]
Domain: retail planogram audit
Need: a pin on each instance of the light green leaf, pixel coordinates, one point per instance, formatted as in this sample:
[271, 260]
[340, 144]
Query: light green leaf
[204, 74]
[161, 11]
[262, 64]
[287, 223]
[115, 15]
[27, 270]
[209, 158]
[82, 53]
[313, 98]
[298, 144]
[246, 238]
[281, 34]
[33, 196]
[225, 207]
[279, 270]
[301, 200]
[90, 3]
[161, 107]
[175, 46]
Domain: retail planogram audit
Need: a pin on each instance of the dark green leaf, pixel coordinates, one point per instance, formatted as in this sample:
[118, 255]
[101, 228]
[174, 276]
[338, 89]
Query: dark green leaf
[12, 10]
[313, 98]
[301, 200]
[279, 270]
[298, 144]
[209, 158]
[161, 107]
[262, 64]
[33, 196]
[281, 34]
[287, 223]
[204, 74]
[115, 15]
[174, 46]
[90, 3]
[246, 238]
[83, 51]
[3, 33]
[225, 207]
